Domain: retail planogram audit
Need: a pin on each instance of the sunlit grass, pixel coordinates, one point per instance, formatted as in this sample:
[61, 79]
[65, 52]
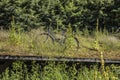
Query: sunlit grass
[32, 43]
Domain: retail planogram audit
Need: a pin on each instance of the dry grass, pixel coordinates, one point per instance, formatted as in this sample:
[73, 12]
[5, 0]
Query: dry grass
[31, 43]
[3, 35]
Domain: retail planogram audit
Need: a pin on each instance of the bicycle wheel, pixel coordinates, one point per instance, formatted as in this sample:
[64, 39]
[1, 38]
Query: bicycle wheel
[46, 38]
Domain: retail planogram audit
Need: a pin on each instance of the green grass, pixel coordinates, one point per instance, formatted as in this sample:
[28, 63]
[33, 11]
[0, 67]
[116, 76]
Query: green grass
[58, 71]
[18, 42]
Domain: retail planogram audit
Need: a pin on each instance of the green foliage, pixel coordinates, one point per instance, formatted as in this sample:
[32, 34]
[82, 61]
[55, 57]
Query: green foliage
[24, 13]
[15, 34]
[6, 75]
[35, 73]
[70, 41]
[17, 71]
[86, 32]
[58, 71]
[59, 13]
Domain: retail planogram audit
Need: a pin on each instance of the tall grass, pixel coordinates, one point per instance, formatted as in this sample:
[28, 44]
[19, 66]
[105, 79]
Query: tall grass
[16, 41]
[58, 71]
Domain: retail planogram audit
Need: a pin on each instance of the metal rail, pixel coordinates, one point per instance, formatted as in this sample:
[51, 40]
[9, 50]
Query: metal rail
[40, 58]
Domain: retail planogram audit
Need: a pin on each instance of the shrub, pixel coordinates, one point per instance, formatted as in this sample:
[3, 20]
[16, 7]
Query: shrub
[59, 13]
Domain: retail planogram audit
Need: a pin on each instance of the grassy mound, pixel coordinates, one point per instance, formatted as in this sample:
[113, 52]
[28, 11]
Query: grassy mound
[18, 42]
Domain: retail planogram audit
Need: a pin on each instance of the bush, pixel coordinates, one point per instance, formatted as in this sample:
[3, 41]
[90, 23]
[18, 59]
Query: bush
[59, 13]
[58, 71]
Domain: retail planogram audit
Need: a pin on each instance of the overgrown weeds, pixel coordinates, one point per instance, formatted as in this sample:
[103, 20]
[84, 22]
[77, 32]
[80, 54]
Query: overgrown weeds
[16, 41]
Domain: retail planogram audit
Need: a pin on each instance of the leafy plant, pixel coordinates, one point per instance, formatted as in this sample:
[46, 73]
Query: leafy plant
[15, 34]
[58, 71]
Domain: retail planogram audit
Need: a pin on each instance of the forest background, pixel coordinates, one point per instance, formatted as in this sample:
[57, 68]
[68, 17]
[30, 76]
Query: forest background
[58, 14]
